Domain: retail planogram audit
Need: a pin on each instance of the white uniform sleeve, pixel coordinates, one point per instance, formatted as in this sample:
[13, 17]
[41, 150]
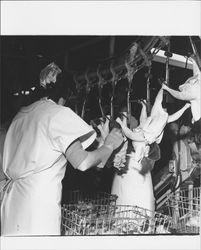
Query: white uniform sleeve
[66, 127]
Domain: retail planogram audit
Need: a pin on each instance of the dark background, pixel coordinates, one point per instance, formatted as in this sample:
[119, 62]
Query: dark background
[23, 57]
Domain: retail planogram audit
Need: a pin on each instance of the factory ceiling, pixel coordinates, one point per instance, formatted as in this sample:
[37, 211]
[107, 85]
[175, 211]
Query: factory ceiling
[23, 57]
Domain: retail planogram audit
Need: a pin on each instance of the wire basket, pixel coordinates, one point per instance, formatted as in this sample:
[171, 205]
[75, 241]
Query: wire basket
[83, 197]
[184, 207]
[90, 219]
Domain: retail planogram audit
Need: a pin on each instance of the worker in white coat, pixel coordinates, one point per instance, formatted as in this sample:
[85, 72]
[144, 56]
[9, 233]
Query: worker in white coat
[41, 139]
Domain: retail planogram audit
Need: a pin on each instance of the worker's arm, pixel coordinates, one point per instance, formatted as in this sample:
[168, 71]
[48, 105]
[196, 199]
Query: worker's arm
[178, 114]
[83, 160]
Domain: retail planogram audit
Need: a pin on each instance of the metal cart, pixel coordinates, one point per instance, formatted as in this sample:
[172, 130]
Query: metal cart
[78, 196]
[184, 207]
[94, 219]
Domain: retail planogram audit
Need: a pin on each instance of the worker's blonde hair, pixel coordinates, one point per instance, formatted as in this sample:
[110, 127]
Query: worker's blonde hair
[52, 67]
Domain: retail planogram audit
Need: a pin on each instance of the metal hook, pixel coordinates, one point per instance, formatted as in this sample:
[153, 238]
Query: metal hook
[101, 81]
[87, 82]
[76, 82]
[130, 73]
[114, 82]
[100, 86]
[87, 92]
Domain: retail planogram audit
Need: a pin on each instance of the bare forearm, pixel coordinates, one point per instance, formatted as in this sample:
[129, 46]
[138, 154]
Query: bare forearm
[83, 160]
[96, 157]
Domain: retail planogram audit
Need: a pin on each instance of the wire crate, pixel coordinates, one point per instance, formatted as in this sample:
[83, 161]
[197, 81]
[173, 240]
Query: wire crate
[184, 207]
[90, 219]
[83, 197]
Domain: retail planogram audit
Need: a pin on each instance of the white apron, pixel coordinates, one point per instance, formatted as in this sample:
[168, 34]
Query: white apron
[34, 163]
[133, 188]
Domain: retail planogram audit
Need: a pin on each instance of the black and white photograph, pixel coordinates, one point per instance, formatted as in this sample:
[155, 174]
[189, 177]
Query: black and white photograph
[100, 134]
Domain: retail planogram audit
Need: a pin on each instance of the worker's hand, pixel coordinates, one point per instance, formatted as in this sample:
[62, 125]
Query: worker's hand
[114, 139]
[122, 123]
[187, 105]
[164, 86]
[104, 131]
[104, 128]
[124, 118]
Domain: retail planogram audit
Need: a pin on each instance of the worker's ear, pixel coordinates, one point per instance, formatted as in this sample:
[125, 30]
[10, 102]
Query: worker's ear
[61, 101]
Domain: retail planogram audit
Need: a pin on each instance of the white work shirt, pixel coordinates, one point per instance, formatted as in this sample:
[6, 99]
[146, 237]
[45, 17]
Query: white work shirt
[34, 162]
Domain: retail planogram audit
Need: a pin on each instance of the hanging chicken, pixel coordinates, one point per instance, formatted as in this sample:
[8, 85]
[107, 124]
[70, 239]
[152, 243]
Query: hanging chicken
[135, 186]
[190, 91]
[153, 126]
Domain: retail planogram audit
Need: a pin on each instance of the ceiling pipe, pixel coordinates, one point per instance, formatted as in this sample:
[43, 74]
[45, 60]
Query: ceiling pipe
[120, 61]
